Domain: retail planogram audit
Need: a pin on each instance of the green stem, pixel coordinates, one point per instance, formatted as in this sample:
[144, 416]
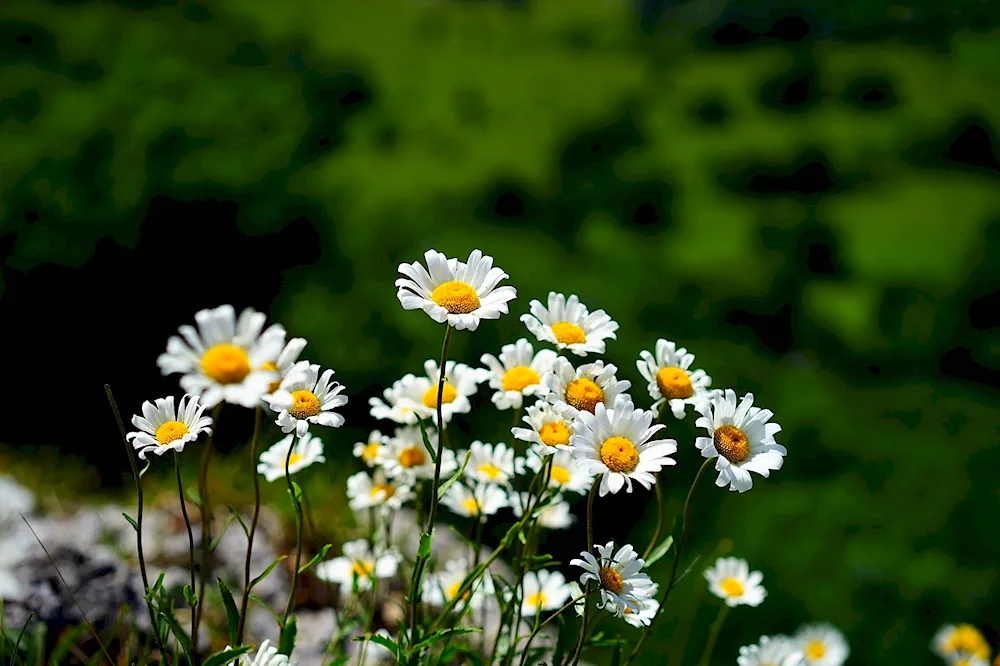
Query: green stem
[569, 604]
[187, 523]
[244, 602]
[298, 533]
[713, 635]
[590, 546]
[363, 651]
[206, 528]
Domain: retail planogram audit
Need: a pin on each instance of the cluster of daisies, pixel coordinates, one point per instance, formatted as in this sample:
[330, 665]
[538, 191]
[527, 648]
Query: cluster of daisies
[962, 645]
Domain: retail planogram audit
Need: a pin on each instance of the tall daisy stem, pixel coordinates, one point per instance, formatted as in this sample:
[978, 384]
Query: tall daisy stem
[590, 546]
[713, 635]
[298, 533]
[244, 602]
[187, 523]
[539, 627]
[206, 528]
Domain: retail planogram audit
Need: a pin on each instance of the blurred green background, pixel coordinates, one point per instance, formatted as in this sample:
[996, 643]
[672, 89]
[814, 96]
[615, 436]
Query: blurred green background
[805, 194]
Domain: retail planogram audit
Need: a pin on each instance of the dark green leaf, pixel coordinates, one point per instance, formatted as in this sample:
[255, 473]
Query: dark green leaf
[255, 598]
[286, 641]
[424, 550]
[226, 656]
[659, 551]
[17, 643]
[232, 615]
[236, 515]
[427, 440]
[443, 488]
[267, 571]
[616, 656]
[317, 558]
[298, 491]
[131, 522]
[443, 634]
[190, 596]
[183, 640]
[384, 641]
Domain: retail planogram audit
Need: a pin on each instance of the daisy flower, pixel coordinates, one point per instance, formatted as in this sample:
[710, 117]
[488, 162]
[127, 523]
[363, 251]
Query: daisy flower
[306, 397]
[368, 451]
[283, 365]
[359, 562]
[543, 591]
[953, 639]
[441, 587]
[618, 444]
[644, 617]
[267, 655]
[460, 293]
[549, 432]
[485, 499]
[741, 439]
[581, 390]
[554, 514]
[413, 396]
[671, 379]
[404, 456]
[771, 651]
[964, 659]
[622, 583]
[517, 373]
[566, 474]
[365, 492]
[308, 450]
[225, 359]
[567, 324]
[162, 428]
[489, 463]
[824, 645]
[730, 579]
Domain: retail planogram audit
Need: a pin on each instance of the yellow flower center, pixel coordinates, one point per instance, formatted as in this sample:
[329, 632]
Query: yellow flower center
[412, 457]
[519, 378]
[611, 580]
[294, 458]
[568, 334]
[304, 404]
[226, 364]
[537, 600]
[489, 470]
[584, 394]
[456, 297]
[363, 569]
[560, 475]
[731, 587]
[967, 638]
[370, 452]
[448, 394]
[170, 431]
[383, 488]
[554, 434]
[815, 649]
[471, 505]
[731, 443]
[271, 366]
[452, 591]
[674, 384]
[619, 454]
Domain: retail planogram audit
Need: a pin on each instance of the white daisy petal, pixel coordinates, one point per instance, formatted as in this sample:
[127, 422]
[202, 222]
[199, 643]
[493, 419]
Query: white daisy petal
[567, 324]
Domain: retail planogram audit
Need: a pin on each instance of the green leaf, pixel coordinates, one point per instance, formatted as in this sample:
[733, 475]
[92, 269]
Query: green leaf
[384, 641]
[183, 640]
[158, 585]
[146, 468]
[523, 539]
[316, 558]
[193, 496]
[17, 643]
[443, 634]
[232, 615]
[236, 515]
[131, 522]
[659, 551]
[443, 488]
[227, 656]
[424, 550]
[298, 491]
[255, 598]
[512, 533]
[686, 571]
[267, 571]
[222, 532]
[427, 440]
[190, 596]
[286, 641]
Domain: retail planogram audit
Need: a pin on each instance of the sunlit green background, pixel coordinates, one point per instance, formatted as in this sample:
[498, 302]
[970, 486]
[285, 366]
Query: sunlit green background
[805, 194]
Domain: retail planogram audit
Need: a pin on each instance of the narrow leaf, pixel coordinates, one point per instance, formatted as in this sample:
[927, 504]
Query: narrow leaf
[183, 640]
[190, 596]
[659, 551]
[254, 597]
[146, 468]
[317, 558]
[226, 656]
[193, 496]
[445, 633]
[384, 641]
[236, 514]
[131, 522]
[232, 615]
[424, 550]
[427, 440]
[443, 488]
[286, 641]
[270, 567]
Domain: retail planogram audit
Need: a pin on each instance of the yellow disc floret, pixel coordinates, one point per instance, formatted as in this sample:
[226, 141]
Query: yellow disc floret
[815, 649]
[295, 458]
[554, 434]
[363, 569]
[519, 378]
[731, 443]
[170, 431]
[226, 364]
[674, 384]
[471, 505]
[619, 454]
[568, 334]
[489, 469]
[387, 490]
[447, 395]
[453, 589]
[731, 587]
[560, 475]
[271, 366]
[412, 457]
[966, 638]
[370, 451]
[456, 297]
[537, 600]
[611, 580]
[304, 404]
[584, 394]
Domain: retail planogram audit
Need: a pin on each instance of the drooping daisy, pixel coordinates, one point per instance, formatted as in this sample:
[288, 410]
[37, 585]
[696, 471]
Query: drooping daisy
[163, 428]
[740, 438]
[618, 443]
[566, 474]
[305, 397]
[267, 655]
[288, 357]
[644, 617]
[622, 582]
[368, 451]
[554, 514]
[771, 651]
[953, 639]
[366, 492]
[581, 390]
[549, 432]
[308, 450]
[442, 586]
[489, 463]
[731, 580]
[567, 324]
[404, 456]
[671, 379]
[517, 373]
[823, 645]
[543, 591]
[460, 293]
[359, 562]
[225, 359]
[414, 396]
[483, 500]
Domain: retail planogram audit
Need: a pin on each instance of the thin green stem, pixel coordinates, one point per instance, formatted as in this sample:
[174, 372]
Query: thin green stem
[590, 545]
[245, 601]
[187, 523]
[363, 651]
[659, 523]
[206, 528]
[713, 635]
[538, 628]
[298, 533]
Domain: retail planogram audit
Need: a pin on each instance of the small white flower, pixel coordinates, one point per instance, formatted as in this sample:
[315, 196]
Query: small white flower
[671, 379]
[365, 492]
[485, 499]
[960, 639]
[162, 428]
[405, 457]
[962, 659]
[284, 364]
[414, 396]
[442, 586]
[740, 438]
[771, 651]
[618, 443]
[225, 359]
[644, 617]
[567, 475]
[15, 500]
[267, 655]
[517, 373]
[308, 450]
[489, 463]
[823, 645]
[553, 514]
[543, 591]
[368, 451]
[359, 562]
[573, 391]
[306, 397]
[460, 293]
[550, 431]
[730, 579]
[622, 583]
[567, 324]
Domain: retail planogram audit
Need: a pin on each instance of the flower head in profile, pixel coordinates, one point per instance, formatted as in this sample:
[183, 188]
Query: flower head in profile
[517, 373]
[567, 324]
[413, 396]
[565, 475]
[405, 457]
[550, 431]
[960, 639]
[361, 563]
[554, 514]
[622, 583]
[367, 492]
[368, 450]
[306, 397]
[441, 587]
[459, 293]
[163, 428]
[583, 389]
[740, 438]
[543, 591]
[644, 616]
[731, 580]
[267, 655]
[823, 645]
[671, 379]
[308, 450]
[225, 358]
[619, 444]
[479, 501]
[489, 463]
[288, 357]
[771, 651]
